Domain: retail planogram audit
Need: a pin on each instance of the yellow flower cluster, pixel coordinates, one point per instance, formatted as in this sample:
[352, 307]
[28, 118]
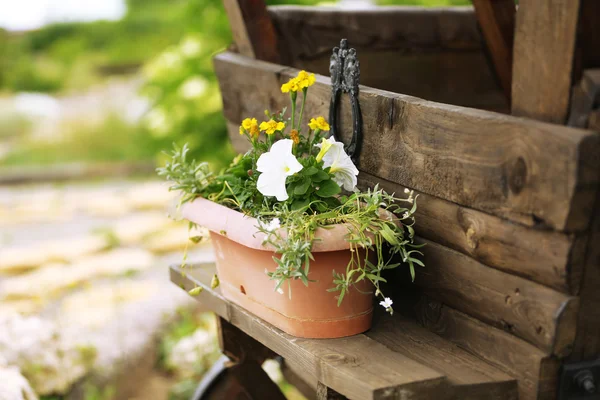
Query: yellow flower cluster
[318, 123]
[271, 126]
[301, 81]
[250, 126]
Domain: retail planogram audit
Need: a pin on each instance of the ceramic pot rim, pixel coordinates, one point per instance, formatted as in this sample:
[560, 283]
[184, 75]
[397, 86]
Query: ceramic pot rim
[243, 229]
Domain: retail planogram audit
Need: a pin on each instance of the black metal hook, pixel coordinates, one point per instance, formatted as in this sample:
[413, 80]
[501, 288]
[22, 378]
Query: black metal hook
[344, 70]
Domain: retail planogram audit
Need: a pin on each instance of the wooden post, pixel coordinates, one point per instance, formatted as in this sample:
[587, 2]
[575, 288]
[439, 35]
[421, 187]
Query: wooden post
[253, 31]
[248, 356]
[326, 393]
[497, 22]
[543, 58]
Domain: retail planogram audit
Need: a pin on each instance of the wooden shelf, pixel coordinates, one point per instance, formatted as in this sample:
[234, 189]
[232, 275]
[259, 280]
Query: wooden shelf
[395, 359]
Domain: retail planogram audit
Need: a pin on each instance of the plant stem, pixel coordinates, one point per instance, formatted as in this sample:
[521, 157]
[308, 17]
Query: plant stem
[293, 98]
[301, 108]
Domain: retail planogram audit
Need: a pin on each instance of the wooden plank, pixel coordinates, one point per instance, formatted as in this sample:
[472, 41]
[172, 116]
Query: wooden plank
[529, 172]
[438, 50]
[311, 32]
[252, 29]
[539, 255]
[587, 341]
[344, 364]
[497, 21]
[543, 58]
[540, 315]
[585, 95]
[470, 377]
[535, 371]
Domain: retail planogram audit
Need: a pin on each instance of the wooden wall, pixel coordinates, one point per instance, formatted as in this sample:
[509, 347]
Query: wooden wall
[504, 207]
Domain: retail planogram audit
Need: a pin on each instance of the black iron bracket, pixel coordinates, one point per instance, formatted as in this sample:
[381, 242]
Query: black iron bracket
[579, 381]
[344, 70]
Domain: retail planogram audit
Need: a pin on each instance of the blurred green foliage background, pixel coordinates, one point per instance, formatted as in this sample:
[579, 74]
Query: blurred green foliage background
[170, 41]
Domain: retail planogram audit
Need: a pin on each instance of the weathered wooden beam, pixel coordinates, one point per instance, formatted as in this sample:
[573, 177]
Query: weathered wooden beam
[535, 370]
[529, 172]
[470, 377]
[432, 53]
[587, 341]
[497, 21]
[252, 29]
[543, 58]
[586, 94]
[344, 364]
[542, 256]
[533, 312]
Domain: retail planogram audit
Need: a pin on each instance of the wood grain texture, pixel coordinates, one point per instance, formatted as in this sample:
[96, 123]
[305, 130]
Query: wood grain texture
[534, 370]
[539, 315]
[543, 58]
[586, 94]
[587, 342]
[497, 21]
[344, 364]
[539, 255]
[522, 170]
[432, 53]
[469, 376]
[252, 29]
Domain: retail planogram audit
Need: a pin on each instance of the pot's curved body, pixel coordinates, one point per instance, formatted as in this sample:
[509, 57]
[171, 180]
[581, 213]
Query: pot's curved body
[311, 311]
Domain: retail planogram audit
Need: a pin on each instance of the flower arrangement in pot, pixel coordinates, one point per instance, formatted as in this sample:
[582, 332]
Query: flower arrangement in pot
[295, 241]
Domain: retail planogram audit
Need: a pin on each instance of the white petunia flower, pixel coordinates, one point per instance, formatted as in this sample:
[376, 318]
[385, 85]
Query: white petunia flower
[275, 166]
[343, 169]
[386, 303]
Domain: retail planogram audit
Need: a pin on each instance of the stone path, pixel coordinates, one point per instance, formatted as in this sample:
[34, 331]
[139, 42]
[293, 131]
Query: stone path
[84, 289]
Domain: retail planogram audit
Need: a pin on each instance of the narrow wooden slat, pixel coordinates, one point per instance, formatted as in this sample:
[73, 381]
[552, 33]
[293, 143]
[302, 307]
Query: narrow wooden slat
[344, 364]
[529, 172]
[535, 371]
[470, 377]
[543, 58]
[433, 53]
[539, 255]
[497, 21]
[540, 315]
[252, 29]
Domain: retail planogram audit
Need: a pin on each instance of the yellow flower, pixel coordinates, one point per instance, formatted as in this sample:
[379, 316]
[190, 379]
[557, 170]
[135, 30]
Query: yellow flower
[271, 126]
[295, 136]
[249, 125]
[318, 123]
[290, 86]
[304, 79]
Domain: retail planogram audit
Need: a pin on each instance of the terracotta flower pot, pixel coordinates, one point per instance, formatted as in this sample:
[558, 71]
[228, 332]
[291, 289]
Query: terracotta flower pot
[312, 311]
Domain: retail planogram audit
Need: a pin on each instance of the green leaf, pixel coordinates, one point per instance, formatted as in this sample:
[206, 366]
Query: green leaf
[300, 203]
[302, 187]
[320, 176]
[310, 171]
[328, 188]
